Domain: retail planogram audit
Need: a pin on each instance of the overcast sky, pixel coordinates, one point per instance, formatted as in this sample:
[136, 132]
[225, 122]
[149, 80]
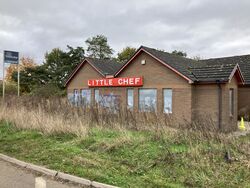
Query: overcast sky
[206, 28]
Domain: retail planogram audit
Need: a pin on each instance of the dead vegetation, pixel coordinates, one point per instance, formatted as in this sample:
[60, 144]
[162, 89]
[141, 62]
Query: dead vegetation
[56, 115]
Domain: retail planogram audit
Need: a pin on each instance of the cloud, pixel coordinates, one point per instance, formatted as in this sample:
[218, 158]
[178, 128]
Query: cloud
[207, 28]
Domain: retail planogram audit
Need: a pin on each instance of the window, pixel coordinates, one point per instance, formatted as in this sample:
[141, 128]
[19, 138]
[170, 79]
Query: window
[147, 100]
[231, 102]
[130, 99]
[76, 96]
[86, 97]
[97, 96]
[110, 101]
[71, 97]
[167, 95]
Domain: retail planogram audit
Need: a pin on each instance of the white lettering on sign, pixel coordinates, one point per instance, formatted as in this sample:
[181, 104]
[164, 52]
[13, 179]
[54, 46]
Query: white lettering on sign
[128, 81]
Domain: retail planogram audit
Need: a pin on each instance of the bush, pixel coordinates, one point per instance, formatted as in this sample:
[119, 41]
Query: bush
[47, 91]
[10, 88]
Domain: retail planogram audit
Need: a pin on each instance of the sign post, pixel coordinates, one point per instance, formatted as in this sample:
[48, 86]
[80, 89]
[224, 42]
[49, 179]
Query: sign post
[18, 80]
[11, 57]
[3, 82]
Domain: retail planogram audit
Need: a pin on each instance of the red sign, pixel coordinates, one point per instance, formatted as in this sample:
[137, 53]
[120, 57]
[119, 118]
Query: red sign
[122, 82]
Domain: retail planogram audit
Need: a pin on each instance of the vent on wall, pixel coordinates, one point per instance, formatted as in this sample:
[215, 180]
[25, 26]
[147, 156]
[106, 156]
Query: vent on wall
[143, 62]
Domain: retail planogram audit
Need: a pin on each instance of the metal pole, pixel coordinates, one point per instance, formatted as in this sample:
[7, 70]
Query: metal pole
[18, 79]
[3, 81]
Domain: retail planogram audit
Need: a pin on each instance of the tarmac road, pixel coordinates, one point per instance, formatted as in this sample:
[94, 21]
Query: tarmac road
[15, 177]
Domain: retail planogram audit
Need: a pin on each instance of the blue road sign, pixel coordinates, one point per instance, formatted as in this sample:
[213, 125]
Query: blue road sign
[10, 57]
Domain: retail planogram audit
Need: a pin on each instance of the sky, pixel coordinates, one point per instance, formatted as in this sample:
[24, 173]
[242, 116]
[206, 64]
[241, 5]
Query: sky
[204, 28]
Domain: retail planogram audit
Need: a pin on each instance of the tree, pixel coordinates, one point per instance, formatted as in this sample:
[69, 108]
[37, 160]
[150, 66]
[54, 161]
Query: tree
[24, 63]
[32, 78]
[179, 53]
[125, 54]
[98, 47]
[59, 64]
[75, 55]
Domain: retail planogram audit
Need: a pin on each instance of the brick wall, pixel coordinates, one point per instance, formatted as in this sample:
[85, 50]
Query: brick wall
[244, 100]
[205, 105]
[157, 76]
[229, 123]
[80, 80]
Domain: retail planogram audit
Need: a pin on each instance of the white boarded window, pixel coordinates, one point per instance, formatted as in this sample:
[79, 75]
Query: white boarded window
[86, 96]
[231, 102]
[76, 96]
[130, 99]
[70, 96]
[147, 100]
[97, 96]
[168, 98]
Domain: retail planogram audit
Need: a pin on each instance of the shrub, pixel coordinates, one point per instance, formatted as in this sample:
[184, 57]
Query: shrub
[10, 89]
[47, 91]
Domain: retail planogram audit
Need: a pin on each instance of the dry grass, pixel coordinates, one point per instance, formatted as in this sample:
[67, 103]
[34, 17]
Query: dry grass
[43, 115]
[56, 115]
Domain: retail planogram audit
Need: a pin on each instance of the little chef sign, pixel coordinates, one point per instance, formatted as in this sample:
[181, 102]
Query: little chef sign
[122, 82]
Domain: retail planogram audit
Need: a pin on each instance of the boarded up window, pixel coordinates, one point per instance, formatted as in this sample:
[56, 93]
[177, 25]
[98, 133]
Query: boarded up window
[147, 100]
[85, 97]
[167, 95]
[130, 99]
[231, 102]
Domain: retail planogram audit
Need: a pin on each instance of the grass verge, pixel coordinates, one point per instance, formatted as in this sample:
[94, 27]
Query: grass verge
[134, 158]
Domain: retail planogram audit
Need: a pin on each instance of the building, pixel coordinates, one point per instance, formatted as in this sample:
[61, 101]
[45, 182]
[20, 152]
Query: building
[153, 80]
[243, 90]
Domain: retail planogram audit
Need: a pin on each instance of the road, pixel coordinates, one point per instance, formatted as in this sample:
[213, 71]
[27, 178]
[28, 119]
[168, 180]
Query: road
[15, 177]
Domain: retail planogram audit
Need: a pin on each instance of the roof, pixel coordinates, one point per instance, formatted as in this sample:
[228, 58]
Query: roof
[217, 72]
[179, 63]
[192, 70]
[243, 61]
[210, 70]
[104, 67]
[174, 62]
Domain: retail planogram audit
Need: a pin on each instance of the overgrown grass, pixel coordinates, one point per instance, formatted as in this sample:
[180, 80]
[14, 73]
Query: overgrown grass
[123, 148]
[128, 158]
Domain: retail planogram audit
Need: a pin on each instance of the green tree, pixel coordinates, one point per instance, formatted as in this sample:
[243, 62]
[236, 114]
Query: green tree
[32, 78]
[60, 64]
[125, 54]
[98, 47]
[57, 66]
[179, 53]
[75, 55]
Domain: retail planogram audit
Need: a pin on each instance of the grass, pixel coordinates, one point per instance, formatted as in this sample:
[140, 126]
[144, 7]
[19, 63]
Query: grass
[128, 158]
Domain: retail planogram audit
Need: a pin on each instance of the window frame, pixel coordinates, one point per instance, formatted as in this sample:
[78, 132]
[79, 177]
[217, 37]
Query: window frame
[156, 103]
[90, 96]
[76, 99]
[97, 101]
[231, 102]
[163, 99]
[133, 95]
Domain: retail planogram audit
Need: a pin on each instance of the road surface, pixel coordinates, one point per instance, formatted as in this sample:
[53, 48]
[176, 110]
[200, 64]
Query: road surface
[14, 177]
